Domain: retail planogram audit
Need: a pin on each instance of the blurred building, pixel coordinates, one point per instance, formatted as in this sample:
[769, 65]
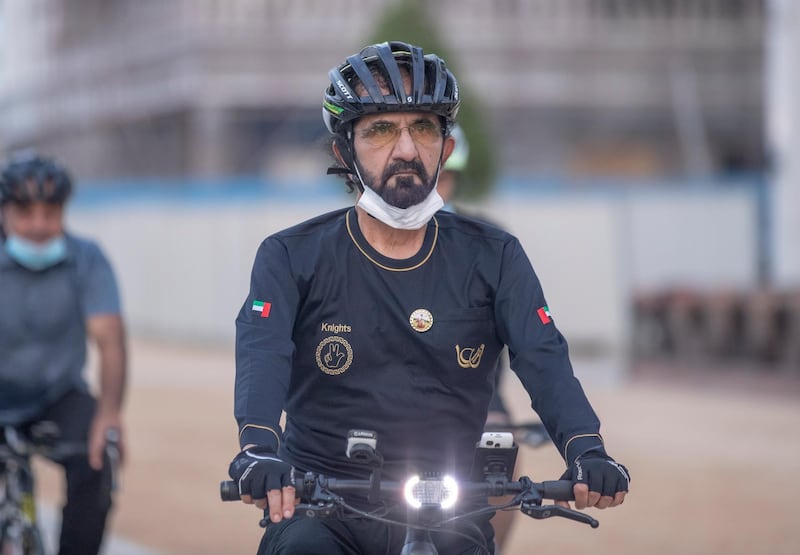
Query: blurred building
[783, 112]
[220, 87]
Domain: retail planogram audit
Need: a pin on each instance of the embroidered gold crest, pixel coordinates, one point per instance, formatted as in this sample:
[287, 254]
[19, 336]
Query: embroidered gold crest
[334, 355]
[421, 320]
[469, 357]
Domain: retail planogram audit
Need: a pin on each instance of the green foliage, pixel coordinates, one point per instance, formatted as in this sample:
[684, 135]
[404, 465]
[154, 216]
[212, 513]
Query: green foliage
[410, 21]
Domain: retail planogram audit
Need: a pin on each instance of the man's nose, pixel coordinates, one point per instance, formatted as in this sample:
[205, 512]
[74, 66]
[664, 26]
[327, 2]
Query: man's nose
[40, 223]
[40, 228]
[405, 147]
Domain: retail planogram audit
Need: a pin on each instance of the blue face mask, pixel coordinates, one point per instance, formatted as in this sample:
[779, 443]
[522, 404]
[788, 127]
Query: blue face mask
[36, 256]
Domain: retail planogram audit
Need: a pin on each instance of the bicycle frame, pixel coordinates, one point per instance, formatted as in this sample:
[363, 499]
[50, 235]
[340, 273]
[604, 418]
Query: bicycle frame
[19, 529]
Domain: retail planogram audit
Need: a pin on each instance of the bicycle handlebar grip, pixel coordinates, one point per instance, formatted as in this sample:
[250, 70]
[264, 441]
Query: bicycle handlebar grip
[229, 490]
[558, 490]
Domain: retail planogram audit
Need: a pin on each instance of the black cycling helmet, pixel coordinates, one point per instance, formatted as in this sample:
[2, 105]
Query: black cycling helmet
[376, 67]
[31, 178]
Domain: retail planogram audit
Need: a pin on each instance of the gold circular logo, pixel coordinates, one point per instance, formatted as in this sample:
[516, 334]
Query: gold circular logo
[421, 320]
[334, 355]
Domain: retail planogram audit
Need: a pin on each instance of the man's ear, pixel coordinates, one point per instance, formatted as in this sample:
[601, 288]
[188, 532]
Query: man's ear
[448, 148]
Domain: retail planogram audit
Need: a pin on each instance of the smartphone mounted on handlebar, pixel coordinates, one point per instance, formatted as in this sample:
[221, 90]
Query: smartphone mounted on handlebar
[495, 457]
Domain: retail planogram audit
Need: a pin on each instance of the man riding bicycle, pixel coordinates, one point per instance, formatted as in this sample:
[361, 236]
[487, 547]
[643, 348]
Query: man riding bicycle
[390, 316]
[57, 290]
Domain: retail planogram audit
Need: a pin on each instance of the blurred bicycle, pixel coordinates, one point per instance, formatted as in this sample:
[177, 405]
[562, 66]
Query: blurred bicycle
[19, 528]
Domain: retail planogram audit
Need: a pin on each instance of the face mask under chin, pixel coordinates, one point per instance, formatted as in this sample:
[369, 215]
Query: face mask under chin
[36, 256]
[413, 217]
[410, 218]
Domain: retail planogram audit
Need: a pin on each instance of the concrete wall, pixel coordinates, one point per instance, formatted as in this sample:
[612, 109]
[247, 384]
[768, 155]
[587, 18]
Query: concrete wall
[184, 266]
[699, 240]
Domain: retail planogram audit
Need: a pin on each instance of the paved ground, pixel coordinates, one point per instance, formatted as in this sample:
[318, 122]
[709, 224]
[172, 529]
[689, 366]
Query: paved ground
[714, 457]
[49, 515]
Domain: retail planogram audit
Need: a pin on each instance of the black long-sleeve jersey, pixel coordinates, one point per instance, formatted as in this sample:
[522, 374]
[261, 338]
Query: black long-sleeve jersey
[342, 337]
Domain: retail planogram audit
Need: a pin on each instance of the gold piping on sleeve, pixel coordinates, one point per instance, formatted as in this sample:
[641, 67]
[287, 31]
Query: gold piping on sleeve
[576, 437]
[378, 264]
[277, 436]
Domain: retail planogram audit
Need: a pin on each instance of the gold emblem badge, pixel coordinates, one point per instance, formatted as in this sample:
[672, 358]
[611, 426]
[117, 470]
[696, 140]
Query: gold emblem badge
[469, 357]
[334, 355]
[421, 320]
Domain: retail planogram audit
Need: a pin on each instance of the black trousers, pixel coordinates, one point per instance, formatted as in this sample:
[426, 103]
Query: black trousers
[88, 496]
[359, 536]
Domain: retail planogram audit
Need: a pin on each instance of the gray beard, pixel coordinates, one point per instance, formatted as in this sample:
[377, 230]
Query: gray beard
[405, 192]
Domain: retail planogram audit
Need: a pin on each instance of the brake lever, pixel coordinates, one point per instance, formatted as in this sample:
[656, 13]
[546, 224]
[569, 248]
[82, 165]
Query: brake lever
[323, 503]
[541, 512]
[322, 509]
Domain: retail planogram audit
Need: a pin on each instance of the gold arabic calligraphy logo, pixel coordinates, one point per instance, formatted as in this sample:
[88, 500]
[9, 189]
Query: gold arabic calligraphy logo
[469, 357]
[334, 355]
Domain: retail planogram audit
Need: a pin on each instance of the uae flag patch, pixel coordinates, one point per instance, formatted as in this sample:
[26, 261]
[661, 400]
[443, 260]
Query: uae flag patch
[262, 307]
[544, 315]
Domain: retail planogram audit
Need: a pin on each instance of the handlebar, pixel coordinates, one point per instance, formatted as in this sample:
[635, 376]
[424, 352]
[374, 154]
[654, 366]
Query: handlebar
[57, 451]
[43, 440]
[557, 490]
[320, 495]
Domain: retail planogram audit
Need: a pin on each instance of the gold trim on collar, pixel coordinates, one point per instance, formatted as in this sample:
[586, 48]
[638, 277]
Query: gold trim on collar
[378, 264]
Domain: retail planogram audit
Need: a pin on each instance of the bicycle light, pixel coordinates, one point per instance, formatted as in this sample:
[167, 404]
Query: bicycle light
[362, 445]
[431, 490]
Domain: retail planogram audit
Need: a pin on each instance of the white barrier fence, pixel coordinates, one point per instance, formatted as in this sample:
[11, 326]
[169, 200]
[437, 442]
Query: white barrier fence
[184, 267]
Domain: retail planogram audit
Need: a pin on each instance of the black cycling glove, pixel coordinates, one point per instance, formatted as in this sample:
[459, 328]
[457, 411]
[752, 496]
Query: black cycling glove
[600, 472]
[258, 470]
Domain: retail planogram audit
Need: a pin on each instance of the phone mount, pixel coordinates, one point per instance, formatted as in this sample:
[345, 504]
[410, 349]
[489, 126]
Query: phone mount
[495, 457]
[362, 448]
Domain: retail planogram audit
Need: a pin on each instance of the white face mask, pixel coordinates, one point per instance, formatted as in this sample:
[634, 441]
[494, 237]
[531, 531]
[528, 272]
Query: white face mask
[413, 217]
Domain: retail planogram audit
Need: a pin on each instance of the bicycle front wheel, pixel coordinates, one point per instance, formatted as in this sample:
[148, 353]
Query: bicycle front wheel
[32, 543]
[27, 541]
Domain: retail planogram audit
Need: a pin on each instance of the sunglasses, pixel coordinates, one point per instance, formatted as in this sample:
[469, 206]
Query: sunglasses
[381, 133]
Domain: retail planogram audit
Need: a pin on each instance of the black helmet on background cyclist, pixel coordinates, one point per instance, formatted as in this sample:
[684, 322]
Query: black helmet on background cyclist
[381, 67]
[31, 178]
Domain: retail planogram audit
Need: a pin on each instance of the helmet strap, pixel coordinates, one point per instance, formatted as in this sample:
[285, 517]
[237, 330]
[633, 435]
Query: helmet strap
[445, 134]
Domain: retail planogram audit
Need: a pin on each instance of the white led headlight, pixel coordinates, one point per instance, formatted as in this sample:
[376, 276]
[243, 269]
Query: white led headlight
[431, 491]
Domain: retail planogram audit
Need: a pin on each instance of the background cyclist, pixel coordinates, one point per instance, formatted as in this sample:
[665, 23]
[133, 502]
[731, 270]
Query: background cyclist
[57, 290]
